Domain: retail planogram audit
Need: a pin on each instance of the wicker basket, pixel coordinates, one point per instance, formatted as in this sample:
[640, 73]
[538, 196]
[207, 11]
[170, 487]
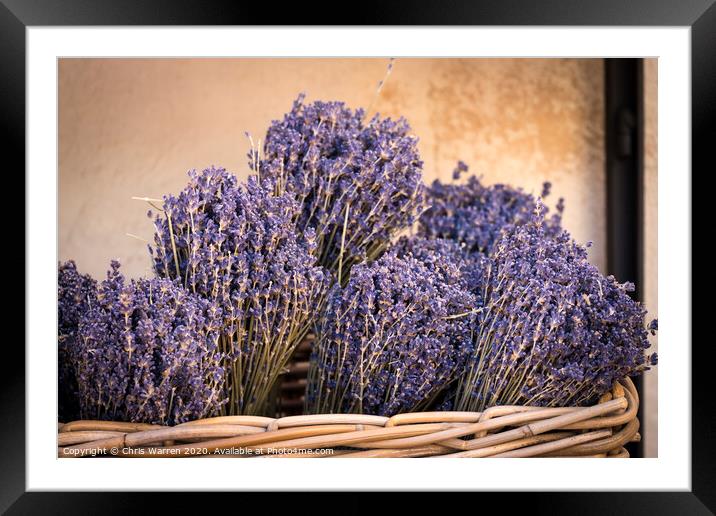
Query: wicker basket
[292, 384]
[601, 430]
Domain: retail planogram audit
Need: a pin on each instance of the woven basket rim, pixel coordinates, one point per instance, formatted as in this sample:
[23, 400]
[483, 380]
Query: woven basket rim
[500, 431]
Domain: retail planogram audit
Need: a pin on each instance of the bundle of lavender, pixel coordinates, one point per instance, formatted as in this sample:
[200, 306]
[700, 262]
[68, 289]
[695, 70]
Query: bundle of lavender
[393, 338]
[552, 330]
[358, 183]
[143, 350]
[76, 295]
[475, 214]
[237, 246]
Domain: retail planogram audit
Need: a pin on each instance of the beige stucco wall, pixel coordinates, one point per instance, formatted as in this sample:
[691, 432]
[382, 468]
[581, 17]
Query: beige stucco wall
[651, 259]
[134, 127]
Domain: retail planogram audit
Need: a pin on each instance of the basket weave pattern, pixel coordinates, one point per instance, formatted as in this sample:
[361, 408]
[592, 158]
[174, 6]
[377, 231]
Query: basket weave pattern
[601, 430]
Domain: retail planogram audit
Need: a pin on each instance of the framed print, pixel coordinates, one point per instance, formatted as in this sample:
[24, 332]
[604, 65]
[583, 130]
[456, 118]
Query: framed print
[398, 249]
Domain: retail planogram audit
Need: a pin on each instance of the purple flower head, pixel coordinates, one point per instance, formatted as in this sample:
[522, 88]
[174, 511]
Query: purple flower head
[392, 339]
[546, 189]
[460, 169]
[238, 246]
[553, 330]
[475, 214]
[76, 294]
[147, 351]
[357, 182]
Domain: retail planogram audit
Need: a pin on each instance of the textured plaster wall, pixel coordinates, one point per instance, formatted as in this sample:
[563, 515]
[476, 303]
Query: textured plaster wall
[134, 127]
[650, 286]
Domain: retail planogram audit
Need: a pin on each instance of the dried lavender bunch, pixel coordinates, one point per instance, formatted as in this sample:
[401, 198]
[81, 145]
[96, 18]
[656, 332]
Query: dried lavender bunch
[390, 340]
[448, 258]
[148, 352]
[76, 294]
[553, 330]
[237, 245]
[475, 214]
[358, 183]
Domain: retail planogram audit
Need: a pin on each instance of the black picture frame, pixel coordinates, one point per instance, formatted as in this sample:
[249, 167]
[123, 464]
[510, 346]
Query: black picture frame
[700, 15]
